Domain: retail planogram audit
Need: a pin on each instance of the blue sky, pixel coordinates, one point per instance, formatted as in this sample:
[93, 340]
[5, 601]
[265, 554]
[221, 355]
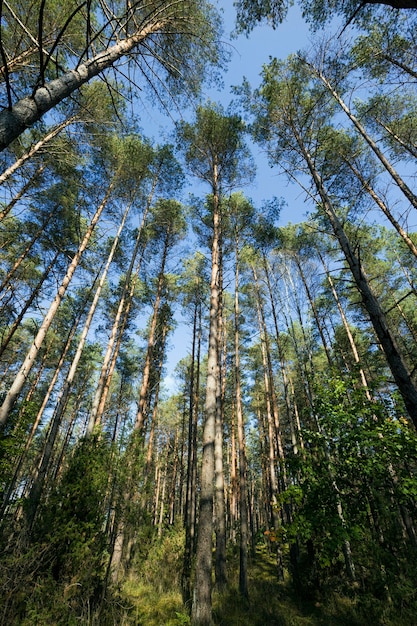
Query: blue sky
[249, 54]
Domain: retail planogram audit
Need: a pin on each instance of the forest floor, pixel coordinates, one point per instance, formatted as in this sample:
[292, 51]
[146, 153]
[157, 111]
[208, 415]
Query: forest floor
[271, 603]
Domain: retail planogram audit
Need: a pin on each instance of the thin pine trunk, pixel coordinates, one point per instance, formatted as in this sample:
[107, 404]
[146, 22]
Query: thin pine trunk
[22, 192]
[378, 201]
[370, 302]
[27, 364]
[114, 342]
[243, 509]
[35, 148]
[27, 249]
[371, 143]
[27, 305]
[219, 487]
[190, 497]
[201, 613]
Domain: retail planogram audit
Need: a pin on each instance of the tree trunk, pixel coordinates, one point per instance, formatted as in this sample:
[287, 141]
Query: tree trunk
[366, 185]
[243, 509]
[28, 110]
[144, 389]
[35, 148]
[296, 437]
[314, 310]
[24, 371]
[371, 143]
[26, 251]
[347, 329]
[81, 343]
[190, 497]
[201, 614]
[27, 305]
[22, 192]
[117, 329]
[393, 356]
[219, 507]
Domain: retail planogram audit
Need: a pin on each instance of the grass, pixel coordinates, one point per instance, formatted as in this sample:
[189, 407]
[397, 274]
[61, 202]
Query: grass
[271, 602]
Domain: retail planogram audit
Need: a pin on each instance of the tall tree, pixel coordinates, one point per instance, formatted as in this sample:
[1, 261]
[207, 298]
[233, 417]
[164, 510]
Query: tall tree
[289, 111]
[181, 38]
[215, 153]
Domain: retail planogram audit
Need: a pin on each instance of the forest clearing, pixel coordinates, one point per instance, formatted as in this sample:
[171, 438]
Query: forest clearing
[208, 412]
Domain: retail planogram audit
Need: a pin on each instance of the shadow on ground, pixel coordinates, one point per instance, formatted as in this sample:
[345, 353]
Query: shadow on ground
[275, 603]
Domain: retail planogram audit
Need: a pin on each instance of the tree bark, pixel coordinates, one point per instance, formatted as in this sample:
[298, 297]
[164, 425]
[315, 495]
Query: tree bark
[190, 497]
[243, 509]
[28, 110]
[201, 613]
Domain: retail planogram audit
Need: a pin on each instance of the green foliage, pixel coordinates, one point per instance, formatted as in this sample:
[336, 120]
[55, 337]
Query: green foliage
[62, 567]
[214, 148]
[316, 12]
[153, 584]
[357, 454]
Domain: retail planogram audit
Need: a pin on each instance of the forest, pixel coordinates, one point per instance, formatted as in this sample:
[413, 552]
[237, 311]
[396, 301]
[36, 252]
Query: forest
[267, 476]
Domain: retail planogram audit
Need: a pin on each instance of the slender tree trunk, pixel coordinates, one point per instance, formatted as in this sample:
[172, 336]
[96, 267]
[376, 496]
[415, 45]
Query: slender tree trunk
[22, 192]
[55, 423]
[174, 486]
[26, 251]
[378, 201]
[219, 488]
[393, 356]
[24, 371]
[27, 305]
[347, 328]
[243, 509]
[189, 513]
[234, 482]
[144, 389]
[160, 514]
[110, 357]
[90, 315]
[296, 437]
[28, 110]
[201, 614]
[371, 143]
[35, 148]
[314, 310]
[270, 436]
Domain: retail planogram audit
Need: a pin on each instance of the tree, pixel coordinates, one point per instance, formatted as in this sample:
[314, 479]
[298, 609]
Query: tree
[317, 12]
[193, 282]
[285, 124]
[215, 153]
[241, 217]
[171, 33]
[27, 364]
